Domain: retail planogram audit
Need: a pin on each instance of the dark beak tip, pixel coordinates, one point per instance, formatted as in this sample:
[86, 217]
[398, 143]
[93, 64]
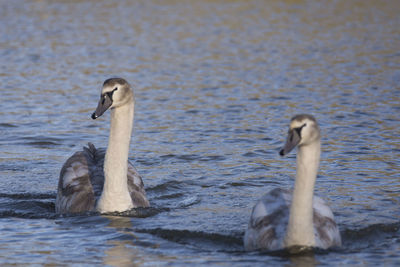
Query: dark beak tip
[282, 153]
[94, 116]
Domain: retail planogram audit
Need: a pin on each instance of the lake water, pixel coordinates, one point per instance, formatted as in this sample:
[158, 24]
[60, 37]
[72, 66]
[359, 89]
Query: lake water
[216, 83]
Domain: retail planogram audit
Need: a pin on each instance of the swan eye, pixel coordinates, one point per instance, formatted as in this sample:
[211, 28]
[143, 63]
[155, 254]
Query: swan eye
[298, 130]
[110, 94]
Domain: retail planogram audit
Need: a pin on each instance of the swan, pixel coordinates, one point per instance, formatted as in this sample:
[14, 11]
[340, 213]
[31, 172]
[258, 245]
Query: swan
[104, 181]
[281, 219]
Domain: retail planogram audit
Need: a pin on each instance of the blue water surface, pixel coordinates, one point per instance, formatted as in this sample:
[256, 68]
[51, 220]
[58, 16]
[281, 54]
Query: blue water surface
[216, 83]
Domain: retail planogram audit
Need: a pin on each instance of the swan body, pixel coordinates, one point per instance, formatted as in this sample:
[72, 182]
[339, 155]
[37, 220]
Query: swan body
[104, 181]
[282, 218]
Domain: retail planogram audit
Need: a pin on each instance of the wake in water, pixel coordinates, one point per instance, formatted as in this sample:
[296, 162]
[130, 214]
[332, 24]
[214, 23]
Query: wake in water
[41, 206]
[167, 196]
[27, 205]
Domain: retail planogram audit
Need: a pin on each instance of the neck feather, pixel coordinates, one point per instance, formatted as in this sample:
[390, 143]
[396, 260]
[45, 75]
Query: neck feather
[301, 227]
[115, 195]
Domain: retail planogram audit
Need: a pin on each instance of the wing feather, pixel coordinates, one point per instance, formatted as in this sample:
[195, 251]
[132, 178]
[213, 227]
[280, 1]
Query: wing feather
[136, 188]
[82, 179]
[75, 192]
[269, 220]
[325, 228]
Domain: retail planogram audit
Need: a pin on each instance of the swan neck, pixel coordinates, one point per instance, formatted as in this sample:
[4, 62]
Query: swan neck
[120, 134]
[115, 195]
[300, 227]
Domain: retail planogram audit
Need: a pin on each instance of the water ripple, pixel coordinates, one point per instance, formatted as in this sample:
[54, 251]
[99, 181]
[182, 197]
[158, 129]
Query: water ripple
[216, 84]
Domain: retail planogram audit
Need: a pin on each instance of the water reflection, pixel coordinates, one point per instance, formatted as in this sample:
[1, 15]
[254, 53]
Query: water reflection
[216, 83]
[303, 261]
[122, 251]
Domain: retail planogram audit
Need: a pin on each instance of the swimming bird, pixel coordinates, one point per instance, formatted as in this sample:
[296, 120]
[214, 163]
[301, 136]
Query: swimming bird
[284, 219]
[104, 181]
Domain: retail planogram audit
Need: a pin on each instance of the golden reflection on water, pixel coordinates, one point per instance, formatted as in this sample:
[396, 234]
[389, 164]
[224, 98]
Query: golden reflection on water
[125, 251]
[214, 79]
[122, 252]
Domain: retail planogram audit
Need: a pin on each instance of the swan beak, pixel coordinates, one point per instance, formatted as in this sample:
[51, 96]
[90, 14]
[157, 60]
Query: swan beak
[104, 104]
[292, 141]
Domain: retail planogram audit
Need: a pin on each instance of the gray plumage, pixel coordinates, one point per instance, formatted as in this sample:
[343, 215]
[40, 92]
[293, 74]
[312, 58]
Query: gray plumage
[104, 180]
[82, 179]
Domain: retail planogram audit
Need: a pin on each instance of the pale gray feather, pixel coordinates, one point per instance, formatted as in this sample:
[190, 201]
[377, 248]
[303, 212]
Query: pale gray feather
[82, 179]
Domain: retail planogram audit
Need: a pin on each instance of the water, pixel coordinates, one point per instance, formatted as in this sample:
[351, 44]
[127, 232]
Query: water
[216, 84]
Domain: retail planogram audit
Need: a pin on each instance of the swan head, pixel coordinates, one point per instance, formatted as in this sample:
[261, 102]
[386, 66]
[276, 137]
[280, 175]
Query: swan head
[116, 92]
[303, 130]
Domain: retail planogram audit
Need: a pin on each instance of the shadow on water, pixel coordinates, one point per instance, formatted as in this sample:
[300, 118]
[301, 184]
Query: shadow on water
[41, 206]
[201, 241]
[370, 237]
[27, 205]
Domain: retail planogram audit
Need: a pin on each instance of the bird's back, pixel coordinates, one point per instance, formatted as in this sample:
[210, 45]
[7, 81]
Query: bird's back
[82, 179]
[268, 221]
[270, 216]
[77, 190]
